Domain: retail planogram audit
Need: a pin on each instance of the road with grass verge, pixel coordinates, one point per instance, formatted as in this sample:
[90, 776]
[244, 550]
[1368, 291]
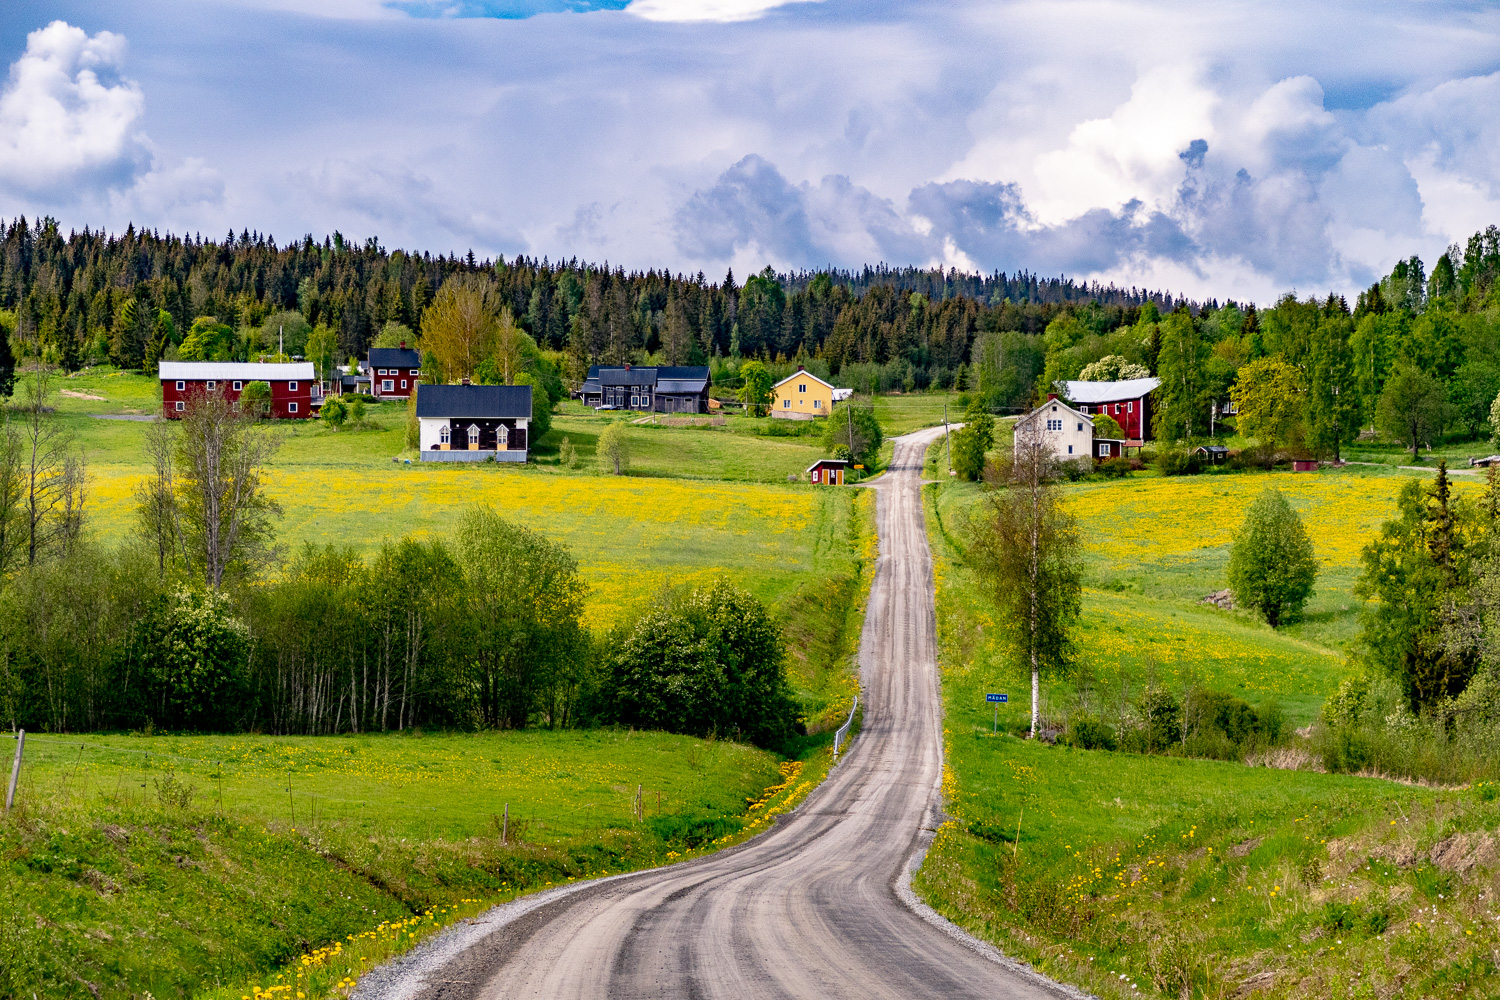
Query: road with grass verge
[819, 906]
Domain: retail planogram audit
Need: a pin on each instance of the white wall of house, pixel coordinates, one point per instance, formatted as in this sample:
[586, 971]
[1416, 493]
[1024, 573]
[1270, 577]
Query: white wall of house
[1067, 433]
[431, 430]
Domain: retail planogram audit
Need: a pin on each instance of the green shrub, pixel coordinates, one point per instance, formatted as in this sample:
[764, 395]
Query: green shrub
[1174, 461]
[1161, 720]
[1086, 732]
[1114, 468]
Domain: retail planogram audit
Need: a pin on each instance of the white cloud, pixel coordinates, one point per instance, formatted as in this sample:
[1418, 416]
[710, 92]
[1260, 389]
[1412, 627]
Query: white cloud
[66, 117]
[706, 10]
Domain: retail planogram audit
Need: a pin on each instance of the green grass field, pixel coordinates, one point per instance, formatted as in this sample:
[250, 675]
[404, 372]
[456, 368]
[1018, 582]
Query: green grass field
[203, 866]
[1147, 875]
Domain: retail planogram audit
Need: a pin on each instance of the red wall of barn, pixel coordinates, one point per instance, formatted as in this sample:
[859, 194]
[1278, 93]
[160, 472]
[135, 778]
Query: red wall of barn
[282, 395]
[1133, 416]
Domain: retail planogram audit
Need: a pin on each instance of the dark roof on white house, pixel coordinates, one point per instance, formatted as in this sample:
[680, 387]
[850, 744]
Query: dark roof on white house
[394, 357]
[493, 402]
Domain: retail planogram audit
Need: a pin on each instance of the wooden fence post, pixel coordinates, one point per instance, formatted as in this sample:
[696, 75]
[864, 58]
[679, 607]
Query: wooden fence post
[505, 826]
[15, 770]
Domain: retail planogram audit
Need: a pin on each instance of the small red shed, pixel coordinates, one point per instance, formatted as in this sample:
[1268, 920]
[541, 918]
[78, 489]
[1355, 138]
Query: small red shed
[827, 472]
[1304, 465]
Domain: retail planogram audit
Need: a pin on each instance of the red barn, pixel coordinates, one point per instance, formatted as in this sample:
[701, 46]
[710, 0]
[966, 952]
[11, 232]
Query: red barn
[291, 384]
[1128, 402]
[393, 371]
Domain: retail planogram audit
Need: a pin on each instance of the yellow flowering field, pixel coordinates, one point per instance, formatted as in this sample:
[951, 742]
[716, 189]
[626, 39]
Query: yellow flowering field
[629, 534]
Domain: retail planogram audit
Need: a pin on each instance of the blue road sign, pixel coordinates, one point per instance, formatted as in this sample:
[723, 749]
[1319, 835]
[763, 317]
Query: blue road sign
[997, 697]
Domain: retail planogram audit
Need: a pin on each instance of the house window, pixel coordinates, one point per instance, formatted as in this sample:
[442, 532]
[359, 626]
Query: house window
[502, 437]
[817, 404]
[1070, 449]
[210, 385]
[238, 385]
[786, 404]
[291, 407]
[291, 386]
[1080, 427]
[1105, 449]
[180, 406]
[1054, 425]
[403, 383]
[443, 434]
[181, 385]
[802, 387]
[1117, 407]
[387, 385]
[473, 435]
[1083, 409]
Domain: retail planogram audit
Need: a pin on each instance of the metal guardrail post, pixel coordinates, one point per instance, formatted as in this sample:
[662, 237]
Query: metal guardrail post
[15, 770]
[843, 731]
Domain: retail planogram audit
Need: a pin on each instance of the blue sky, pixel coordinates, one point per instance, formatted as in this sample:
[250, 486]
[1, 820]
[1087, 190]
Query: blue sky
[1224, 149]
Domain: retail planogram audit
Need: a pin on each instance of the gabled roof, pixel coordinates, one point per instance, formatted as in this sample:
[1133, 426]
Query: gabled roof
[627, 376]
[394, 357]
[474, 402]
[662, 371]
[1051, 406]
[827, 461]
[244, 371]
[1110, 392]
[803, 375]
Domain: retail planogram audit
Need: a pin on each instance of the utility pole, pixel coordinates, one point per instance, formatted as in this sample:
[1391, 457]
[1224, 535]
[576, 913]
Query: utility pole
[947, 444]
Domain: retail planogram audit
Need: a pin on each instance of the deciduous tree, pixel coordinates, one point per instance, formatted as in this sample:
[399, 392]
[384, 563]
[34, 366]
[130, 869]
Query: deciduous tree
[613, 450]
[1413, 408]
[1271, 565]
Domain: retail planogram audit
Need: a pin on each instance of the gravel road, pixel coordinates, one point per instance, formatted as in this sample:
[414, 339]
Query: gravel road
[817, 907]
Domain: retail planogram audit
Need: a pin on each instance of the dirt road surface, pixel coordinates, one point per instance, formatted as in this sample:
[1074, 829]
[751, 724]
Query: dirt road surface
[816, 908]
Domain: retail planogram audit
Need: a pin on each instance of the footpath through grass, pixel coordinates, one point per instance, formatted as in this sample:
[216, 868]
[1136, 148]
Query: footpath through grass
[129, 873]
[1146, 875]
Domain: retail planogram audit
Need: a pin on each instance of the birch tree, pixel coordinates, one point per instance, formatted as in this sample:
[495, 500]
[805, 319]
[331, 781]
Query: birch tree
[221, 457]
[1024, 551]
[459, 327]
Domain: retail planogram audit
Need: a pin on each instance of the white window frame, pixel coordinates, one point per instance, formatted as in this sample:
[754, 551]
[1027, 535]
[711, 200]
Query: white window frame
[1105, 449]
[817, 404]
[210, 385]
[238, 385]
[473, 435]
[181, 385]
[291, 387]
[403, 383]
[387, 385]
[1083, 409]
[502, 438]
[1117, 408]
[1130, 407]
[444, 434]
[291, 407]
[786, 404]
[179, 406]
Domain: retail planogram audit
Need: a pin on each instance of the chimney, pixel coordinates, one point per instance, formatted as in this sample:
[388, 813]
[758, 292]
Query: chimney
[465, 382]
[1051, 396]
[403, 345]
[627, 367]
[801, 369]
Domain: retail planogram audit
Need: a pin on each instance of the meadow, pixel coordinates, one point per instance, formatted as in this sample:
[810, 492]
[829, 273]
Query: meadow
[218, 866]
[1134, 875]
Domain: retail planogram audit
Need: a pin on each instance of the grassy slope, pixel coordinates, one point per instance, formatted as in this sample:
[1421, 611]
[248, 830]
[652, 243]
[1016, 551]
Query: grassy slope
[1147, 875]
[387, 828]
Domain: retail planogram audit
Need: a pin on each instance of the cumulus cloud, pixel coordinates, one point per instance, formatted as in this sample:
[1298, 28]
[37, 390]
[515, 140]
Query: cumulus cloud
[706, 10]
[66, 115]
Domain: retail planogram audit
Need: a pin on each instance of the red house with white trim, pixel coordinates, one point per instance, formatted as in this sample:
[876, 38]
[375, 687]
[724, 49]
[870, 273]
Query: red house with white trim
[393, 371]
[291, 384]
[1128, 402]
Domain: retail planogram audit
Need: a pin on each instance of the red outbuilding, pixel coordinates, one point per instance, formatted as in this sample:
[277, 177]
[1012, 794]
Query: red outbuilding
[827, 472]
[291, 384]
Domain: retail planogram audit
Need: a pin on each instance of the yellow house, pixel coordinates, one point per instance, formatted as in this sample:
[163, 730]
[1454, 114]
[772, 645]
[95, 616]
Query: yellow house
[801, 397]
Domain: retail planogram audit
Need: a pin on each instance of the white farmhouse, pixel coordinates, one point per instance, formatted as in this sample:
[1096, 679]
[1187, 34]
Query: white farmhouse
[474, 423]
[1067, 433]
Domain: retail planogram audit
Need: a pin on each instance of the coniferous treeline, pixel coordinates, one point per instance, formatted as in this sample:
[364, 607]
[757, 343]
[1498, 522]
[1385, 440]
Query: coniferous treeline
[131, 298]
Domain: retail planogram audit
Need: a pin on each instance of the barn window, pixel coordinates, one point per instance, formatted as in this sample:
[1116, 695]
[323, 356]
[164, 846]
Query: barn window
[238, 385]
[210, 385]
[1083, 409]
[443, 434]
[1130, 407]
[291, 407]
[180, 406]
[291, 386]
[181, 385]
[1104, 449]
[1117, 407]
